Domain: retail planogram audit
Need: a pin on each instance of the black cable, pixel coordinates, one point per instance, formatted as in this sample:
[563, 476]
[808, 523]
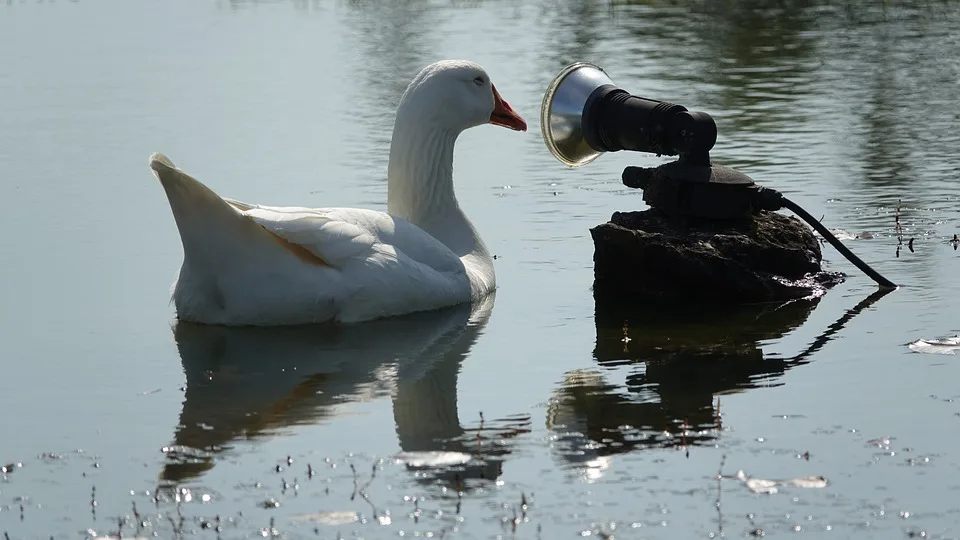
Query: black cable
[804, 215]
[771, 199]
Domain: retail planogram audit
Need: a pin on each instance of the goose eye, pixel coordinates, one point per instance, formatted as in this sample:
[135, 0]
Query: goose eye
[478, 81]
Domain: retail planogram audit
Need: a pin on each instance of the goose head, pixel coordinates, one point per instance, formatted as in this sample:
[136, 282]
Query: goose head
[443, 100]
[456, 95]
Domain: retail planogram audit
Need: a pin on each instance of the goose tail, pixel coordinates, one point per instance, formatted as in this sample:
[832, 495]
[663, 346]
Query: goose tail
[212, 231]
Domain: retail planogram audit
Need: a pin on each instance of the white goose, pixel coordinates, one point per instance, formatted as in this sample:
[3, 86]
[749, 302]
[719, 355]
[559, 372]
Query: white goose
[247, 264]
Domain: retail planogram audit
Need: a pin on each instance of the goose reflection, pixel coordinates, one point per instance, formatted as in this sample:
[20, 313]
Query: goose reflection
[678, 361]
[247, 383]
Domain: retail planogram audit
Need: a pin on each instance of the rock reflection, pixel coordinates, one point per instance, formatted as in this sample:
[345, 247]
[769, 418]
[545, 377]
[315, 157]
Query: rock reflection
[679, 361]
[247, 383]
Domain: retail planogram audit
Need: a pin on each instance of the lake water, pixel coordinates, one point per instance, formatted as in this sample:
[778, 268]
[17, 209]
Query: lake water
[115, 418]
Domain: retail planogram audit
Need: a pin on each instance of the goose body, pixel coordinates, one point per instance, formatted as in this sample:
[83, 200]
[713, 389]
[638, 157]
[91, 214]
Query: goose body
[250, 264]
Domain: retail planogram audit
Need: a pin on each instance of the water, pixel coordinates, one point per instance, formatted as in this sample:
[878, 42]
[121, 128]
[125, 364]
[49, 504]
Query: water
[114, 414]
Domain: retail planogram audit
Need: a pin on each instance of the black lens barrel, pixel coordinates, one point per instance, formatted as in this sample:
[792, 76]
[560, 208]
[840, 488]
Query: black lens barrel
[613, 120]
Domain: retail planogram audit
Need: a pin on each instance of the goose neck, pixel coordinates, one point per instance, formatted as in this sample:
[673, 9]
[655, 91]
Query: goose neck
[420, 175]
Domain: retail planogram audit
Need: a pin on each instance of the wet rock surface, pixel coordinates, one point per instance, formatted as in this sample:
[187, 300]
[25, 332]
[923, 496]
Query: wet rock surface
[648, 255]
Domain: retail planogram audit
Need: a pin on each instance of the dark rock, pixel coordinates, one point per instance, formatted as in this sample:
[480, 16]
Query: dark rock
[650, 256]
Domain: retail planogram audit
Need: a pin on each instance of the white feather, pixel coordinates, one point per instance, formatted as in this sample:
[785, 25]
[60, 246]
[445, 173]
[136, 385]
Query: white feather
[249, 264]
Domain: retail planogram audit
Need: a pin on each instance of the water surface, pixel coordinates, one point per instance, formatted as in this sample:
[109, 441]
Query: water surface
[117, 415]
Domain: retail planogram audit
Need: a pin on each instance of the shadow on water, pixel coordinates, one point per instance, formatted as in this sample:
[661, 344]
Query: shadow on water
[575, 25]
[249, 383]
[887, 157]
[679, 362]
[753, 57]
[304, 5]
[909, 67]
[393, 40]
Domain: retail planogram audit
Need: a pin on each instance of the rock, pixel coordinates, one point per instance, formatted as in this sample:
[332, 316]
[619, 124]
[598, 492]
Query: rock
[649, 256]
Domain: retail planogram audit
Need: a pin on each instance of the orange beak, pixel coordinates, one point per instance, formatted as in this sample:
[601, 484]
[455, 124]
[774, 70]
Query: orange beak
[504, 115]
